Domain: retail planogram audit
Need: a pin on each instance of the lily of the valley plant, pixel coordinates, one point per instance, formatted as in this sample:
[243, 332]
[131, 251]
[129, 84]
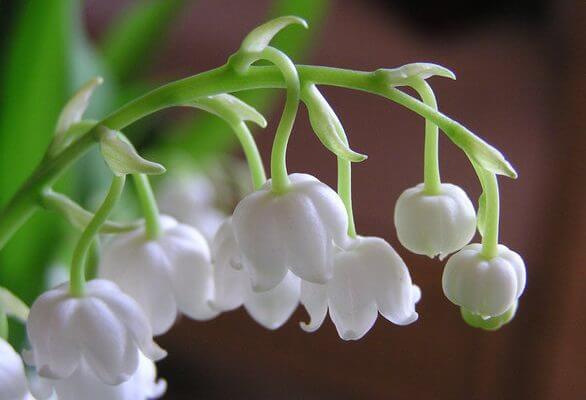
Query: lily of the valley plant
[291, 241]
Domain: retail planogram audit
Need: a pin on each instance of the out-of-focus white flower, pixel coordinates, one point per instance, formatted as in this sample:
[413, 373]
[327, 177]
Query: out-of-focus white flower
[485, 287]
[272, 308]
[369, 278]
[13, 385]
[170, 274]
[104, 329]
[143, 385]
[296, 230]
[435, 224]
[191, 201]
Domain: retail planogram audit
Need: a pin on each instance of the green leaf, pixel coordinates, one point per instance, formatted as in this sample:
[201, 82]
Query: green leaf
[122, 157]
[260, 37]
[327, 126]
[33, 91]
[129, 42]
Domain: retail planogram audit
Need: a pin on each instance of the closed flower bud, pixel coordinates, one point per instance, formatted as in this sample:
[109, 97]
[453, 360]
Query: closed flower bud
[437, 224]
[296, 230]
[104, 329]
[484, 287]
[272, 308]
[13, 384]
[169, 274]
[143, 385]
[369, 278]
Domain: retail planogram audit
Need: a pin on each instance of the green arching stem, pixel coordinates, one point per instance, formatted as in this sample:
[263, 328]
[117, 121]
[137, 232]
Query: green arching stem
[431, 175]
[345, 190]
[490, 239]
[279, 175]
[148, 205]
[4, 328]
[253, 158]
[93, 260]
[220, 80]
[78, 279]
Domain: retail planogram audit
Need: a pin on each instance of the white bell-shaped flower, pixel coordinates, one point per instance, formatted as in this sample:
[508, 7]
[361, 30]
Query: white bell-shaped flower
[437, 224]
[369, 278]
[169, 274]
[272, 308]
[13, 385]
[484, 287]
[191, 201]
[104, 329]
[143, 385]
[296, 230]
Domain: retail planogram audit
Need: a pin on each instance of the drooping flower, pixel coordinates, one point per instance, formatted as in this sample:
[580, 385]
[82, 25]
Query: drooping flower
[296, 230]
[233, 288]
[437, 224]
[13, 385]
[369, 278]
[169, 274]
[143, 385]
[191, 201]
[104, 329]
[486, 287]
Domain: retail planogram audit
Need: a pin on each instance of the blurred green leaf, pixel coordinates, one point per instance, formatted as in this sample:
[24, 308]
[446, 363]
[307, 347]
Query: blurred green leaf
[34, 86]
[193, 134]
[130, 40]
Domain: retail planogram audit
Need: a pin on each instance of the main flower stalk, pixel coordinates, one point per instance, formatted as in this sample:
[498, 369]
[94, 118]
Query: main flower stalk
[220, 80]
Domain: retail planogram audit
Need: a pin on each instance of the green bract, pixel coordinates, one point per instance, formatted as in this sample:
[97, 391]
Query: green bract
[230, 108]
[326, 125]
[12, 305]
[407, 74]
[121, 156]
[260, 37]
[67, 124]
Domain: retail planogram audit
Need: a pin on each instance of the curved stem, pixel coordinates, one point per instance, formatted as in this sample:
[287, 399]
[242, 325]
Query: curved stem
[253, 158]
[4, 328]
[79, 217]
[148, 205]
[490, 239]
[345, 192]
[220, 80]
[279, 175]
[93, 259]
[77, 279]
[431, 173]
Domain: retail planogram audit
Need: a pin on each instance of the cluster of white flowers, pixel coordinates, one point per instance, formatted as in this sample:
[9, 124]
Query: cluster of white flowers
[290, 242]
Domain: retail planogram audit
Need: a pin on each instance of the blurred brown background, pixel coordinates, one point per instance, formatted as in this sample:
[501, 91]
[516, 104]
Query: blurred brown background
[521, 85]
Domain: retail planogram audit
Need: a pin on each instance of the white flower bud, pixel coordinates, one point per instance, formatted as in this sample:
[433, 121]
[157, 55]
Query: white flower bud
[104, 329]
[369, 277]
[143, 385]
[484, 287]
[434, 224]
[272, 308]
[296, 230]
[169, 274]
[13, 385]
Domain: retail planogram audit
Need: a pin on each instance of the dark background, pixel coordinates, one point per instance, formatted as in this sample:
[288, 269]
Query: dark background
[521, 85]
